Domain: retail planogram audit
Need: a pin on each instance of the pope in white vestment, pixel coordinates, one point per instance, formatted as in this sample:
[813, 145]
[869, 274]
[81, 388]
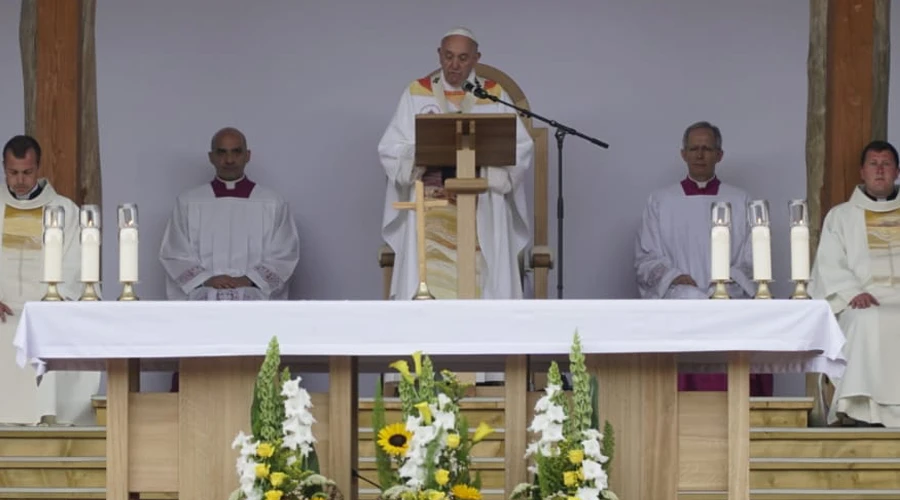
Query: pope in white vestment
[502, 217]
[63, 395]
[230, 239]
[857, 270]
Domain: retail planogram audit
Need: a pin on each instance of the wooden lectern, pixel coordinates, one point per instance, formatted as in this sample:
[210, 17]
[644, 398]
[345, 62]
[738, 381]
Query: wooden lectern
[444, 140]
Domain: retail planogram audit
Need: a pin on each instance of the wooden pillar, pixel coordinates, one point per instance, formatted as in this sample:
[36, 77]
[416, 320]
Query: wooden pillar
[58, 66]
[848, 74]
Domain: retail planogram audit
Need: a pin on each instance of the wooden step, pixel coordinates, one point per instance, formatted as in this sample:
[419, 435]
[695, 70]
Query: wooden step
[846, 443]
[796, 495]
[825, 473]
[52, 441]
[52, 472]
[71, 494]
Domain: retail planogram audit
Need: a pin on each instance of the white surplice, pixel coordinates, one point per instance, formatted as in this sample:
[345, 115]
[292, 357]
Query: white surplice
[674, 239]
[502, 223]
[859, 251]
[230, 228]
[63, 394]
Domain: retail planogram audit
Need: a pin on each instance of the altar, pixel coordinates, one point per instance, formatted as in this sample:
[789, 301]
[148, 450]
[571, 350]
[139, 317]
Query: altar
[181, 442]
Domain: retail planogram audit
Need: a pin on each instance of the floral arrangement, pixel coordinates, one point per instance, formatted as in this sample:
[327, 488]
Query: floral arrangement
[427, 455]
[278, 460]
[571, 458]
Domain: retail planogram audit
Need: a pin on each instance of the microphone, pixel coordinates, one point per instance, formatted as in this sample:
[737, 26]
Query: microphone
[476, 90]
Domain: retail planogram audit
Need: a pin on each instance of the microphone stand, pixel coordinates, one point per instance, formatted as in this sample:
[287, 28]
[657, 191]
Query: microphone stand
[561, 132]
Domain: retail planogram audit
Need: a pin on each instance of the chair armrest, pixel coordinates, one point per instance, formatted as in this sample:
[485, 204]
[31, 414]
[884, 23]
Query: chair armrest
[385, 256]
[541, 258]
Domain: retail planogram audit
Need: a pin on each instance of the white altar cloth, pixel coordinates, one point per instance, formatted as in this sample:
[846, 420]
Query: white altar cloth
[783, 335]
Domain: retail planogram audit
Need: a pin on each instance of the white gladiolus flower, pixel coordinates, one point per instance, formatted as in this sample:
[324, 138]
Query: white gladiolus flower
[592, 449]
[588, 493]
[592, 470]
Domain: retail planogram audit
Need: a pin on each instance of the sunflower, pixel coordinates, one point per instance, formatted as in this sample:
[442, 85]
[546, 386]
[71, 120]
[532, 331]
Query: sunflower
[394, 439]
[465, 492]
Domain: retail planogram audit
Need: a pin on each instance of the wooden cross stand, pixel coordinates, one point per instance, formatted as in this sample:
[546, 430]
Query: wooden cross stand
[420, 205]
[449, 139]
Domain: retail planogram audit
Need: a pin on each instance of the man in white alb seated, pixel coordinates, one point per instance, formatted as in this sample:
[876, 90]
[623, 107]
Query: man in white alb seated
[673, 249]
[229, 239]
[857, 270]
[62, 397]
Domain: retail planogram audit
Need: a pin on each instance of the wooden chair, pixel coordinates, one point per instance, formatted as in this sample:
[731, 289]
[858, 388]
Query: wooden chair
[538, 259]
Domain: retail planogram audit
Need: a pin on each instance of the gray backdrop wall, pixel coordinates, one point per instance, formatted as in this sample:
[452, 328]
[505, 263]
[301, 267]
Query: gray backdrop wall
[313, 85]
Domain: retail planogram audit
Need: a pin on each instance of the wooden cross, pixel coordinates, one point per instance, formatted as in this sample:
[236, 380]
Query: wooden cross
[420, 206]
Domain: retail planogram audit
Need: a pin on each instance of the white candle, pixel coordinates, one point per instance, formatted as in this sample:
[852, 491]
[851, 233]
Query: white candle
[762, 253]
[128, 255]
[90, 254]
[720, 255]
[53, 254]
[800, 253]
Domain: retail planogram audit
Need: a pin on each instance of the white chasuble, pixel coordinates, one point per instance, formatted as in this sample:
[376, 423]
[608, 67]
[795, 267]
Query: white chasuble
[234, 229]
[674, 239]
[859, 252]
[63, 394]
[502, 226]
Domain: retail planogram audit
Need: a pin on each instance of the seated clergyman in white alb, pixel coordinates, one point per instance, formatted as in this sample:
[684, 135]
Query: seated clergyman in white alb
[673, 250]
[63, 396]
[857, 270]
[229, 239]
[501, 217]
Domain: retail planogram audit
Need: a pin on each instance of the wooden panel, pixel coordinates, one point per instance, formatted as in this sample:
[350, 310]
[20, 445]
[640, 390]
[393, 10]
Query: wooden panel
[342, 414]
[213, 406]
[58, 92]
[153, 442]
[703, 441]
[739, 426]
[638, 396]
[516, 415]
[122, 379]
[849, 95]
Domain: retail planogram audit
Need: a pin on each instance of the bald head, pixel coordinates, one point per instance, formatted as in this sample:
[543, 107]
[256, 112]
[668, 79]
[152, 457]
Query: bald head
[227, 131]
[229, 154]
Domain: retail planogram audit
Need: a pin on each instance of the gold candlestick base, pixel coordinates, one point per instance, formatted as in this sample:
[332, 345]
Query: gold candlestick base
[128, 293]
[721, 291]
[89, 293]
[762, 290]
[800, 292]
[423, 293]
[52, 294]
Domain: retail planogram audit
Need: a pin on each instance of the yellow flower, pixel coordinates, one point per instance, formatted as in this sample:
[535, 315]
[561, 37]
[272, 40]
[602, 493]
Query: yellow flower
[442, 476]
[276, 478]
[417, 362]
[274, 495]
[576, 456]
[465, 492]
[572, 498]
[265, 450]
[452, 441]
[570, 478]
[394, 439]
[481, 432]
[436, 495]
[403, 367]
[262, 470]
[580, 473]
[425, 411]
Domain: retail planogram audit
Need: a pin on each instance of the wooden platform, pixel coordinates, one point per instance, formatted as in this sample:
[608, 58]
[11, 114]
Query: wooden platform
[789, 461]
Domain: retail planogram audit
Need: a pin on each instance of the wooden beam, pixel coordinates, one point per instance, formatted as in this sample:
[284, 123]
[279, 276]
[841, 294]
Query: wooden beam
[58, 92]
[857, 55]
